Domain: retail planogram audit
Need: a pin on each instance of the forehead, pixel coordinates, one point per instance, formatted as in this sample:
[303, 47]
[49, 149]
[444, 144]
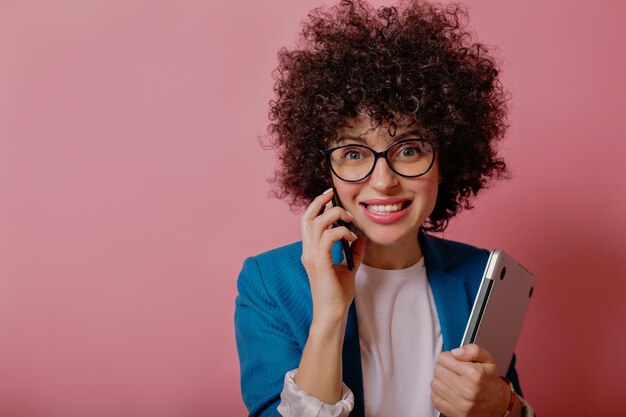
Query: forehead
[364, 129]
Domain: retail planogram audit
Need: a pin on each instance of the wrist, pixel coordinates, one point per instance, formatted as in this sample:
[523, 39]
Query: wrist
[513, 404]
[327, 327]
[320, 369]
[329, 317]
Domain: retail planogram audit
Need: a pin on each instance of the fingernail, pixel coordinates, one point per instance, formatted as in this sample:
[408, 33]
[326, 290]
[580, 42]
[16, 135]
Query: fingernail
[327, 191]
[355, 236]
[349, 214]
[458, 351]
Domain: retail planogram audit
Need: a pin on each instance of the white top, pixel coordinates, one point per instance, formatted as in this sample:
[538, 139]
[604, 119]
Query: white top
[400, 341]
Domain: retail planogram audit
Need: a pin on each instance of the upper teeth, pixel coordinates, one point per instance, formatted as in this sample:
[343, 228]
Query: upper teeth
[385, 208]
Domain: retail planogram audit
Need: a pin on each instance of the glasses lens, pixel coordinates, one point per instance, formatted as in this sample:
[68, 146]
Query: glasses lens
[409, 158]
[352, 162]
[412, 157]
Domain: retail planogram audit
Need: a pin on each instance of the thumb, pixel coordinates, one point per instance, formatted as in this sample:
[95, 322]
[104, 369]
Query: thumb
[472, 353]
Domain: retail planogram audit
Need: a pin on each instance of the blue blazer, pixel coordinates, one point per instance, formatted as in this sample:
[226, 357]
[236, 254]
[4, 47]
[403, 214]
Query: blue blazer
[274, 309]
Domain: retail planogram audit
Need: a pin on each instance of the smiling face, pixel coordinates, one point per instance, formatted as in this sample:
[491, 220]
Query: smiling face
[387, 207]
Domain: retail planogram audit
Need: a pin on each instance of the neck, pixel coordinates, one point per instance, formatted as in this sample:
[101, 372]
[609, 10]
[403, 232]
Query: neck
[397, 256]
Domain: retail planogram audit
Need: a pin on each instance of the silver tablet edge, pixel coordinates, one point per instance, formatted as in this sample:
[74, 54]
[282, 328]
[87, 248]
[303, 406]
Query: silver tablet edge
[484, 291]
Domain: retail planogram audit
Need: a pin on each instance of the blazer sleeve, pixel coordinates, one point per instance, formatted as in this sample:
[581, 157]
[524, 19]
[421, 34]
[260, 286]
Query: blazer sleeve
[511, 374]
[266, 347]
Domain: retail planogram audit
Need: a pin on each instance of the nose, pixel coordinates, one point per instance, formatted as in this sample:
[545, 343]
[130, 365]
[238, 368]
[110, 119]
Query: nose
[382, 178]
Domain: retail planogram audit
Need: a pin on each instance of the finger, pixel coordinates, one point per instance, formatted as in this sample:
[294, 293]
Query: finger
[450, 406]
[330, 236]
[441, 404]
[326, 206]
[317, 205]
[456, 388]
[472, 353]
[447, 399]
[330, 216]
[470, 376]
[319, 251]
[358, 250]
[312, 211]
[445, 382]
[473, 371]
[448, 361]
[452, 381]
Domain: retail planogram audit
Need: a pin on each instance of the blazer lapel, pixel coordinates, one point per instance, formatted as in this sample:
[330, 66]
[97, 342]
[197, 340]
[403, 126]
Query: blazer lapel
[351, 353]
[448, 289]
[352, 370]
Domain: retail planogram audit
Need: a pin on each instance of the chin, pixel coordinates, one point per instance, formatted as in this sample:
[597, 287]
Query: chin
[390, 237]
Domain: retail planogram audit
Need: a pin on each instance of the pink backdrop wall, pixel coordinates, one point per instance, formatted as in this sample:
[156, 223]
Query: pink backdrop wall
[132, 186]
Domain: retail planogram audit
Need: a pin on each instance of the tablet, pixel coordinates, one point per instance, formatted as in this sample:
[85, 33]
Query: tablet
[500, 307]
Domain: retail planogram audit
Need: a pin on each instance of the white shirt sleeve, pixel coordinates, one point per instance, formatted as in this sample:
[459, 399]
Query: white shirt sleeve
[295, 402]
[527, 409]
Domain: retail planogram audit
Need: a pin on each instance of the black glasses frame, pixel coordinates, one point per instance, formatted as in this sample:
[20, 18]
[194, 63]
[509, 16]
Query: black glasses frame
[382, 154]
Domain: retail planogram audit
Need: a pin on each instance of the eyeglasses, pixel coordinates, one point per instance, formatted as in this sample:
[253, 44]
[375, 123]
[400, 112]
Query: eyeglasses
[408, 158]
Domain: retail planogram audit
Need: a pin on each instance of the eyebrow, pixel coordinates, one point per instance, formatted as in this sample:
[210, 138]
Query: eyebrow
[399, 137]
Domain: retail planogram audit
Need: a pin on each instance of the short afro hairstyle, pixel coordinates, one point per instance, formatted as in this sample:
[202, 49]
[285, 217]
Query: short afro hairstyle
[416, 60]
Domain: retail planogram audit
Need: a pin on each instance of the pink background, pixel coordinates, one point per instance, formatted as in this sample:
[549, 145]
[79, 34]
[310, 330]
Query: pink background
[132, 186]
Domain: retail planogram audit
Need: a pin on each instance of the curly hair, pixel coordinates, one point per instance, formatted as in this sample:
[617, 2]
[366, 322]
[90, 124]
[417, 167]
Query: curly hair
[417, 60]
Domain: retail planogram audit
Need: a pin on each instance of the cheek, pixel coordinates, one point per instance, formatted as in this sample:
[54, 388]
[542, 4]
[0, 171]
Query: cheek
[432, 186]
[427, 194]
[432, 200]
[433, 197]
[346, 191]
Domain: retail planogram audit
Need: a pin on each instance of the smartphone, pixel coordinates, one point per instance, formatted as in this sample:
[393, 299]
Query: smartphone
[347, 251]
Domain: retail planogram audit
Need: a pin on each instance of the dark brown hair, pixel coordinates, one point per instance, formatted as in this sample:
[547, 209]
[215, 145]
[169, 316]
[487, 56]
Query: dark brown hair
[416, 60]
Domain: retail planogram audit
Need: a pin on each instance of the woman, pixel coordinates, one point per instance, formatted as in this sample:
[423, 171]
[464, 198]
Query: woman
[395, 113]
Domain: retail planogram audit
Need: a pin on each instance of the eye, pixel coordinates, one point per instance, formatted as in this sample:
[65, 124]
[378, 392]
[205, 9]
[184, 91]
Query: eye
[410, 150]
[353, 154]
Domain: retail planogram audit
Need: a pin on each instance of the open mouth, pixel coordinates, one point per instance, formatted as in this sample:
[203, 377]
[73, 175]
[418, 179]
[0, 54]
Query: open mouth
[384, 209]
